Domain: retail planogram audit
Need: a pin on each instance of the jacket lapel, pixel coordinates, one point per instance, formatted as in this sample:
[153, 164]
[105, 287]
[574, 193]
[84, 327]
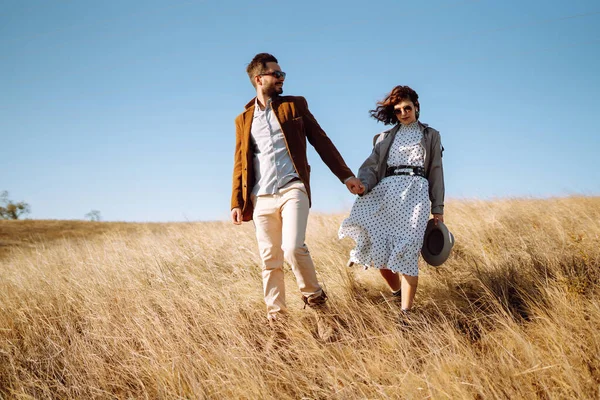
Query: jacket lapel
[279, 109]
[248, 124]
[248, 115]
[387, 141]
[425, 135]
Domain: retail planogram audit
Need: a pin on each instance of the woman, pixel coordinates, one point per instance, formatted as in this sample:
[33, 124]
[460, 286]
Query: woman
[402, 181]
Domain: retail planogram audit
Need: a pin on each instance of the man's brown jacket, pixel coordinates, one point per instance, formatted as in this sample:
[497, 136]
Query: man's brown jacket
[297, 125]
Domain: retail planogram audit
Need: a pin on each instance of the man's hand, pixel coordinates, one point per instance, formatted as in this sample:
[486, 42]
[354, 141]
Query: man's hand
[236, 216]
[438, 217]
[355, 186]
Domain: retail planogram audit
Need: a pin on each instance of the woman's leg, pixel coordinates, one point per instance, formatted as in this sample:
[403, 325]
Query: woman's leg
[392, 279]
[409, 288]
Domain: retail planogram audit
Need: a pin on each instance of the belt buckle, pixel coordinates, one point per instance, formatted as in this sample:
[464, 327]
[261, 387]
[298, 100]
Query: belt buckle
[407, 171]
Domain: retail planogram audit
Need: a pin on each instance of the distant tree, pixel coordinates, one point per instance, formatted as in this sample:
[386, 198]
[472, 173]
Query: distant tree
[93, 215]
[11, 210]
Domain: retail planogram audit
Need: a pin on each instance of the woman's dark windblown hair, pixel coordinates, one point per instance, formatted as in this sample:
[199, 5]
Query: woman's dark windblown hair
[384, 112]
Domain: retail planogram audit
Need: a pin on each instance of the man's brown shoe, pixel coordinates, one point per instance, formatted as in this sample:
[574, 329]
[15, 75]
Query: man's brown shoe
[315, 301]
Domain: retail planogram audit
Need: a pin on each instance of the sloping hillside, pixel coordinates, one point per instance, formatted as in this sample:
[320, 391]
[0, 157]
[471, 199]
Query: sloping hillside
[23, 234]
[175, 311]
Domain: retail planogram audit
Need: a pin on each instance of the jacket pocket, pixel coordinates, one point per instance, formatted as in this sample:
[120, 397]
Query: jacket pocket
[298, 124]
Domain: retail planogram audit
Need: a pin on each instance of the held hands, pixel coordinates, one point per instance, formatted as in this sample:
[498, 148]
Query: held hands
[355, 186]
[236, 216]
[438, 217]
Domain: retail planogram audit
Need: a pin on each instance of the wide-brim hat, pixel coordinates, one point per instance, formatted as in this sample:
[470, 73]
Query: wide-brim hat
[437, 243]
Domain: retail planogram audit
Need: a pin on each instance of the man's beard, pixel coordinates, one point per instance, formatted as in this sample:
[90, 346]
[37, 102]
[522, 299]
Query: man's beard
[274, 91]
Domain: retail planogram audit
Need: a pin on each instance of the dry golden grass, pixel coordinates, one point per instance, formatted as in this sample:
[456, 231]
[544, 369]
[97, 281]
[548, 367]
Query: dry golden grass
[175, 311]
[25, 233]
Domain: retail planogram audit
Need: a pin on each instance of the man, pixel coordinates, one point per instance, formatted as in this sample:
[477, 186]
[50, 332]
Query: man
[271, 181]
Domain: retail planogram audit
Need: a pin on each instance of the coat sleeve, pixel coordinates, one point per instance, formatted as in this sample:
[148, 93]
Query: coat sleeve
[436, 176]
[322, 144]
[237, 200]
[369, 170]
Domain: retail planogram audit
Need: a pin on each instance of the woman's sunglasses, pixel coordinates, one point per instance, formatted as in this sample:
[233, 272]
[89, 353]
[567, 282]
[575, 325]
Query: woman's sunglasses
[406, 109]
[276, 74]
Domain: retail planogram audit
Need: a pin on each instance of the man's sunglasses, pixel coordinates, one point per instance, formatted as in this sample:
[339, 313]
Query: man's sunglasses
[406, 109]
[276, 74]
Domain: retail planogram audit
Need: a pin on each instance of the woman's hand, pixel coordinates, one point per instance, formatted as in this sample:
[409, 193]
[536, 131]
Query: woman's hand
[438, 217]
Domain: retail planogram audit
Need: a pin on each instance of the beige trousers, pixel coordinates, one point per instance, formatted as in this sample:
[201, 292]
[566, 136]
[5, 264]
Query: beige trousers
[280, 221]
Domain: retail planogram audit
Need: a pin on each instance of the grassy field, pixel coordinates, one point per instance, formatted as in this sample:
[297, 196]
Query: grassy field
[116, 310]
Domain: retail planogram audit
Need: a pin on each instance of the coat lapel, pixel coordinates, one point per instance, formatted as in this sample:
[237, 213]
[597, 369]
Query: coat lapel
[248, 124]
[248, 115]
[387, 142]
[279, 109]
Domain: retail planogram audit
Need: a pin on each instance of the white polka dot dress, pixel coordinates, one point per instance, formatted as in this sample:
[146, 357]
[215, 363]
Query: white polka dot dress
[389, 222]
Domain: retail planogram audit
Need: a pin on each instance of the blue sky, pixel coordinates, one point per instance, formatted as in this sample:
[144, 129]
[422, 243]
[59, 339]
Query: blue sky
[128, 107]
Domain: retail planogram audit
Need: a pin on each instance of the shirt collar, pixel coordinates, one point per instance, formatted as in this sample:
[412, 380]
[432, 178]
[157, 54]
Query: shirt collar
[257, 107]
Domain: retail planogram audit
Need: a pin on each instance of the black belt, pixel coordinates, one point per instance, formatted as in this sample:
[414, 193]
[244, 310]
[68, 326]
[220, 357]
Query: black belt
[405, 170]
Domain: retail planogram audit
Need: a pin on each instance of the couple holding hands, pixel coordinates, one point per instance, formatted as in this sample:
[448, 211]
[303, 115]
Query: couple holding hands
[398, 185]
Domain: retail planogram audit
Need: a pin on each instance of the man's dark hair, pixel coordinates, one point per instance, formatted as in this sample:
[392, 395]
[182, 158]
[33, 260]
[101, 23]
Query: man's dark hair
[258, 65]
